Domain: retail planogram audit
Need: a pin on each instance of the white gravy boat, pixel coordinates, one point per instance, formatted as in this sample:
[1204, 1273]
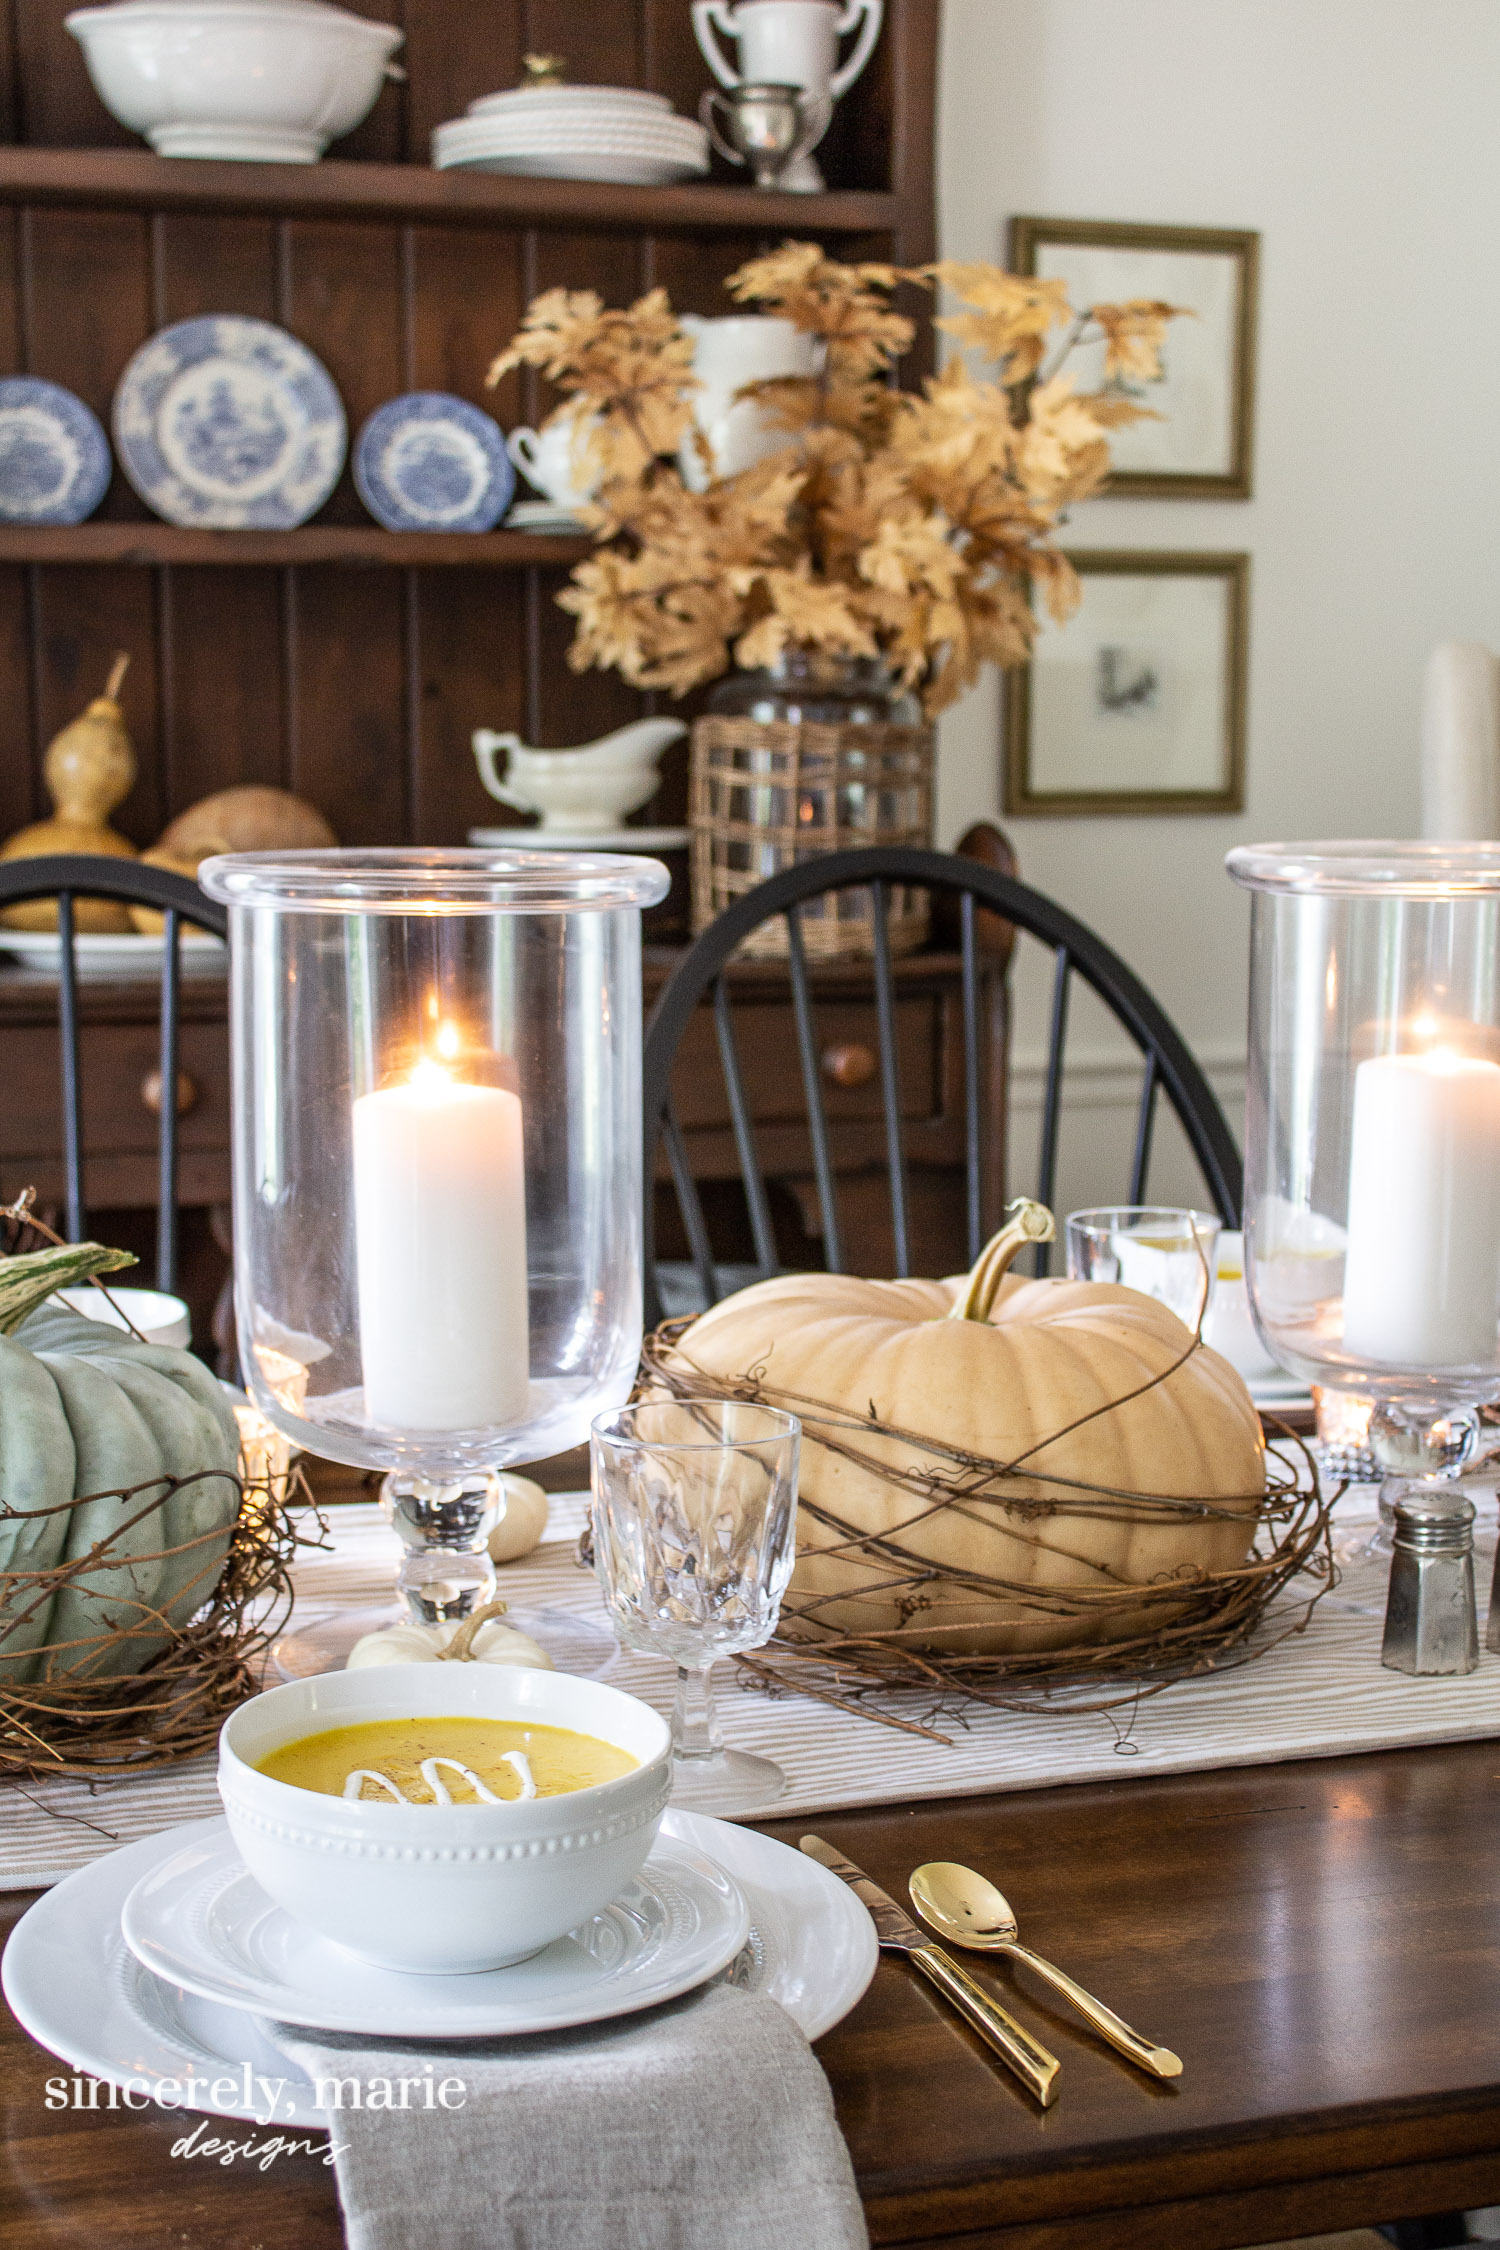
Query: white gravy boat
[586, 791]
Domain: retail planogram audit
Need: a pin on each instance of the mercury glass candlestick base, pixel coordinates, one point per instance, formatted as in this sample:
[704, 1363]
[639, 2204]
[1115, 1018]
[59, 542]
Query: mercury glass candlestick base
[444, 1527]
[1416, 1449]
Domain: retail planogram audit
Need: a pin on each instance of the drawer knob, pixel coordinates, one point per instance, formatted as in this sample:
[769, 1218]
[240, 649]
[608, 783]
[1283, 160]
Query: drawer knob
[187, 1093]
[849, 1065]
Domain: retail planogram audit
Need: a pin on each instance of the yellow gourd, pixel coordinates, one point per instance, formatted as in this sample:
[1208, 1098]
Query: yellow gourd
[1015, 1371]
[89, 769]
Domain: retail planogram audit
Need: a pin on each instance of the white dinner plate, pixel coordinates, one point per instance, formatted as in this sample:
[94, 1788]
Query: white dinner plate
[75, 1986]
[202, 1921]
[128, 954]
[1280, 1394]
[560, 840]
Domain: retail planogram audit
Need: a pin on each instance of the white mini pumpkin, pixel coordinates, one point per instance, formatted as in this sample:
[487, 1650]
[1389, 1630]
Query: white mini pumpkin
[525, 1519]
[493, 1643]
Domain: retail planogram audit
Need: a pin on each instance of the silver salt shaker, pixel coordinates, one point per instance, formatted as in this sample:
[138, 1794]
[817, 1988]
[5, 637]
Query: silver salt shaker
[1430, 1620]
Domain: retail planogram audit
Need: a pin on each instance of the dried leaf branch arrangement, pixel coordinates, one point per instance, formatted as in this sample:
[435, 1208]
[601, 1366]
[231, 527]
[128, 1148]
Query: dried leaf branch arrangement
[914, 528]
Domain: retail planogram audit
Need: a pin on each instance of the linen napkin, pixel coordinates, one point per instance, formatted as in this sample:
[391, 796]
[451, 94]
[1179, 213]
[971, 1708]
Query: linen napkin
[703, 2125]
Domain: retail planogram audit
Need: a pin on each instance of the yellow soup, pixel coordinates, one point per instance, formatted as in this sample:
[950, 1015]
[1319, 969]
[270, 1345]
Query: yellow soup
[446, 1761]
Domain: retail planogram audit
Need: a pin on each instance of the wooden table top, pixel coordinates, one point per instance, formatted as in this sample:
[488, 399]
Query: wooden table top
[1320, 1942]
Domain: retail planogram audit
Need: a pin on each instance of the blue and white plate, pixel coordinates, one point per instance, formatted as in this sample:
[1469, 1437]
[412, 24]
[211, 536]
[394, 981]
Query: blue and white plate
[231, 423]
[432, 462]
[55, 462]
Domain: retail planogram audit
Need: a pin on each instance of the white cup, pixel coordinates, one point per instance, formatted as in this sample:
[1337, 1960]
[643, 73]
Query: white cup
[546, 459]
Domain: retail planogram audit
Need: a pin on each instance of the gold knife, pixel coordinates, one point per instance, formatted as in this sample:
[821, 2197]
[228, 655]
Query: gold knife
[898, 1933]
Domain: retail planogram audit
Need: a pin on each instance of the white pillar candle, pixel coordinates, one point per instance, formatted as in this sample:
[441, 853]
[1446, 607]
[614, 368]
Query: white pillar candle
[1422, 1268]
[440, 1239]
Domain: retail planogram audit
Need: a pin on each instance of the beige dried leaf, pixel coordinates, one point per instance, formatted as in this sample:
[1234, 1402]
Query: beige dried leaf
[916, 528]
[1134, 333]
[1012, 314]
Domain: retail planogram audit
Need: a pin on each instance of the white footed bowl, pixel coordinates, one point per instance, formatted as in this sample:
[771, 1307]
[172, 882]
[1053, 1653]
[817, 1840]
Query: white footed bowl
[443, 1888]
[269, 81]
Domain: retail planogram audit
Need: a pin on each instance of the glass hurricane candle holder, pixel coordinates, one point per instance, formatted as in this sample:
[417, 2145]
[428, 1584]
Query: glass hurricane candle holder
[1372, 1139]
[437, 1173]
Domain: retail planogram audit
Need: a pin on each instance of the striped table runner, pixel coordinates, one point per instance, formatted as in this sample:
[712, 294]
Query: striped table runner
[1314, 1695]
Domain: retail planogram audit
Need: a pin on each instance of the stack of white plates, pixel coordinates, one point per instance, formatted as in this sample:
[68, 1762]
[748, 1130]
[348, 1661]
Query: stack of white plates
[575, 133]
[165, 1960]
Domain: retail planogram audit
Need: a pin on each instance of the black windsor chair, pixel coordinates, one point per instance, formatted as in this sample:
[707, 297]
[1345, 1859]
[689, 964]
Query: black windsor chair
[68, 878]
[1169, 1067]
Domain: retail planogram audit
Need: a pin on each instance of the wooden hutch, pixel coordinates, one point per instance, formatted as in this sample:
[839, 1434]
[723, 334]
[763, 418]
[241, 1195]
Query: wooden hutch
[344, 662]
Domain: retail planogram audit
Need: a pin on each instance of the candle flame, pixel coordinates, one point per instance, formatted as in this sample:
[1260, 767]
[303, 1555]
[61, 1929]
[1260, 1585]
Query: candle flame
[448, 1041]
[429, 1077]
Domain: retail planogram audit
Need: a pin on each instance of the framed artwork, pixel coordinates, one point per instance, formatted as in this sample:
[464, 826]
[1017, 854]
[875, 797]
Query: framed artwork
[1137, 704]
[1200, 448]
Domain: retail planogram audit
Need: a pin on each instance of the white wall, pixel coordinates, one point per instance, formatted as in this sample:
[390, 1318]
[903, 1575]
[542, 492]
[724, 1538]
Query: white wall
[1361, 138]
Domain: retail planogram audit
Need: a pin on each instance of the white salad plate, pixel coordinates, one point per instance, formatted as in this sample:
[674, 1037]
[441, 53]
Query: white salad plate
[229, 422]
[126, 954]
[202, 1921]
[75, 1986]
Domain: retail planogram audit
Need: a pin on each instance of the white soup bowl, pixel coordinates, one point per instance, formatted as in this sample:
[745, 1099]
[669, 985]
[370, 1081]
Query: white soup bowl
[443, 1888]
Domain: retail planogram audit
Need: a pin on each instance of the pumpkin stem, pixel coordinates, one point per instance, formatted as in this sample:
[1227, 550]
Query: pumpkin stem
[26, 1281]
[1025, 1222]
[460, 1649]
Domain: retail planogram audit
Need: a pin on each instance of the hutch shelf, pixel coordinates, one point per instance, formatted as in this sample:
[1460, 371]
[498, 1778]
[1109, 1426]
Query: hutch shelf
[264, 657]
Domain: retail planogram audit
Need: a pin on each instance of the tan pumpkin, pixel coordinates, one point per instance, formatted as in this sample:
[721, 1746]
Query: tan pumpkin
[1011, 1370]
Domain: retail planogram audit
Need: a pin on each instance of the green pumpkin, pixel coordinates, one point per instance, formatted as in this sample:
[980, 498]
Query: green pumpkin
[86, 1410]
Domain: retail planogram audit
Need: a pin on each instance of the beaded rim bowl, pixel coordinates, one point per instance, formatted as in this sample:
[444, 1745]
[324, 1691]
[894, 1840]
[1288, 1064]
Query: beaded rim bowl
[443, 1888]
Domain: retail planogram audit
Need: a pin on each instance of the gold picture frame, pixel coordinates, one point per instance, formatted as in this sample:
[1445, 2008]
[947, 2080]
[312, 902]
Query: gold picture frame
[1202, 447]
[1149, 679]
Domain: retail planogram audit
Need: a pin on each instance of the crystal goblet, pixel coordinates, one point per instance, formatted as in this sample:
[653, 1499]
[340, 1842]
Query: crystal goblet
[694, 1527]
[1166, 1254]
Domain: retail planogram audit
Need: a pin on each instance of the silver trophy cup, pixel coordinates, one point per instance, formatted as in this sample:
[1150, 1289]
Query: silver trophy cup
[766, 126]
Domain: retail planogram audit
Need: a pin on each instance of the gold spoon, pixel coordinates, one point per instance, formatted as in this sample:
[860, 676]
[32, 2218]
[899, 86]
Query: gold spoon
[968, 1910]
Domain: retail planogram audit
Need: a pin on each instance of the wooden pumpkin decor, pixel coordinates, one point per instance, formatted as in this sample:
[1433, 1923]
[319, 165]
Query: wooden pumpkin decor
[990, 1464]
[90, 1421]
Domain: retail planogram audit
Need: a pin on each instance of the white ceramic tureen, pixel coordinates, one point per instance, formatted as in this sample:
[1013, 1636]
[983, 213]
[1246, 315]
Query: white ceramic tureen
[269, 81]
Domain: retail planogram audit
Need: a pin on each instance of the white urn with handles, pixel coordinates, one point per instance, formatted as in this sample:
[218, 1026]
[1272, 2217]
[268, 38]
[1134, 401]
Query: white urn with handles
[790, 43]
